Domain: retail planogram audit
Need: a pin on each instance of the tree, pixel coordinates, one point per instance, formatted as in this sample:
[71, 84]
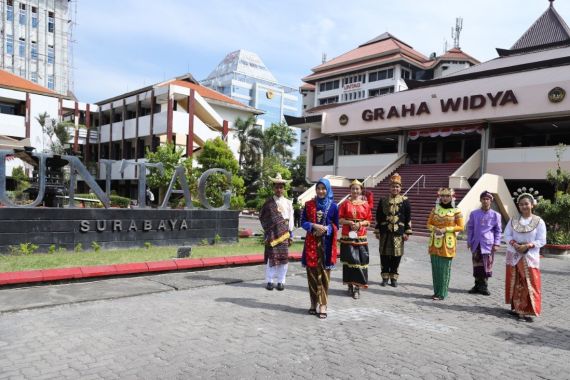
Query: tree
[42, 119]
[250, 140]
[277, 141]
[216, 154]
[299, 170]
[170, 156]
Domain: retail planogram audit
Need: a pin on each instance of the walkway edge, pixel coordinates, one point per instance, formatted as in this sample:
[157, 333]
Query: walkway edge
[58, 274]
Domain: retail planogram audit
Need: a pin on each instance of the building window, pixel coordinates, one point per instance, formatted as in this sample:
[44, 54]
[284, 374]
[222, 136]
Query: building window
[9, 109]
[381, 91]
[323, 155]
[350, 148]
[9, 44]
[22, 47]
[50, 55]
[35, 20]
[10, 11]
[34, 77]
[51, 22]
[50, 83]
[405, 74]
[22, 14]
[381, 75]
[331, 100]
[331, 85]
[34, 50]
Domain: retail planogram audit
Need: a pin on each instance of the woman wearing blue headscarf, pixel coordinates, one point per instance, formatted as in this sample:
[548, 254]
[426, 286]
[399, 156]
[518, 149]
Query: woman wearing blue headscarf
[320, 220]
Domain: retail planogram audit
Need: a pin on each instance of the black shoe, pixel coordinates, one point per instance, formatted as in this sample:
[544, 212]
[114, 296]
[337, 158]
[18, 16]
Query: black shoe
[474, 290]
[394, 283]
[280, 286]
[356, 293]
[384, 282]
[528, 319]
[269, 286]
[350, 290]
[484, 292]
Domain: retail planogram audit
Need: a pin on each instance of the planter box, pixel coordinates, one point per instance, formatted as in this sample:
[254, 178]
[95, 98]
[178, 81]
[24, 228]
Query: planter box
[555, 250]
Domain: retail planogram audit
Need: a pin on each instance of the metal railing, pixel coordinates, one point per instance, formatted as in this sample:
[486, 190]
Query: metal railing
[343, 199]
[423, 176]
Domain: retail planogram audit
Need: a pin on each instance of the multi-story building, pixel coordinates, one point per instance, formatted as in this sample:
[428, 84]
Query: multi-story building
[377, 67]
[22, 101]
[34, 41]
[243, 76]
[496, 125]
[179, 111]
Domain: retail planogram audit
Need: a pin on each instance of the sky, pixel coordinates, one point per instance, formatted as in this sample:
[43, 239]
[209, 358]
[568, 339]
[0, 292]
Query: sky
[122, 45]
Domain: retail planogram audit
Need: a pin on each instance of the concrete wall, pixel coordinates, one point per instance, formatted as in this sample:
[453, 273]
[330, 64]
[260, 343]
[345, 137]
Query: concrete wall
[524, 163]
[62, 227]
[361, 166]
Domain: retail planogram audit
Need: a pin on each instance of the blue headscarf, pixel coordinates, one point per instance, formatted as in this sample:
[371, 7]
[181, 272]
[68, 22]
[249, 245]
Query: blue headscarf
[324, 203]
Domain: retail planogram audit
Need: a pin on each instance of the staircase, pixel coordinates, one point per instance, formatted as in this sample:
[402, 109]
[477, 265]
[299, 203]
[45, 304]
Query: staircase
[422, 199]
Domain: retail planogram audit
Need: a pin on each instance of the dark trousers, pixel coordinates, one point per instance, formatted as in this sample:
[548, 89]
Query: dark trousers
[389, 265]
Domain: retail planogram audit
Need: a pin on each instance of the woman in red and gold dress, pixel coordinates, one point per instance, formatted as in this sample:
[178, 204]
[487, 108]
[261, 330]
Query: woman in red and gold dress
[354, 217]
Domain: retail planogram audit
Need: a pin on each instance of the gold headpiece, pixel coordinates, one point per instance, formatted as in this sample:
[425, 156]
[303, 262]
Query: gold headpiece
[356, 182]
[279, 179]
[445, 191]
[395, 178]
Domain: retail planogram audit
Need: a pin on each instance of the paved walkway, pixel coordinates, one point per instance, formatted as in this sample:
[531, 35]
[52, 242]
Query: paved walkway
[224, 324]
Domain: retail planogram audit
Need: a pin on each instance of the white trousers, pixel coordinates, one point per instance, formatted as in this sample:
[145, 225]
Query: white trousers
[277, 271]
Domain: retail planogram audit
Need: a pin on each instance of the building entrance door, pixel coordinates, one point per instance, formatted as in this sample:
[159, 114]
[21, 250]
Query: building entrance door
[437, 150]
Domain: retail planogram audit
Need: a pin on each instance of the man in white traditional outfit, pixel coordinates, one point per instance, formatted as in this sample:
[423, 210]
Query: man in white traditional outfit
[276, 217]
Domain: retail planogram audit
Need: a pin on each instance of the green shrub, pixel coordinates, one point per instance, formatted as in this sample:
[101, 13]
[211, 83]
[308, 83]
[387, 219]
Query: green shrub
[118, 201]
[147, 244]
[78, 247]
[217, 239]
[52, 248]
[23, 249]
[96, 247]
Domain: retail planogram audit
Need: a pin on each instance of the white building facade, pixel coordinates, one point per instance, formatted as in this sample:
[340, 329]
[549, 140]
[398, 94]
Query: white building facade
[34, 41]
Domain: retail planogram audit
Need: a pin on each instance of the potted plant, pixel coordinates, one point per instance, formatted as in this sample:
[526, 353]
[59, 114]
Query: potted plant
[556, 212]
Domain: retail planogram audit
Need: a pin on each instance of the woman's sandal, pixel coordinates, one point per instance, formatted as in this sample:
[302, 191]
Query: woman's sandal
[313, 311]
[322, 315]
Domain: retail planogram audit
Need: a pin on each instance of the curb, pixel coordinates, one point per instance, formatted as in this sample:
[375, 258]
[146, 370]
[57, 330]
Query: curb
[58, 274]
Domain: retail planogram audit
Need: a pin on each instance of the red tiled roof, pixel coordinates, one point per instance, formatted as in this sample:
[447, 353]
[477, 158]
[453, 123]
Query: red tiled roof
[365, 64]
[14, 82]
[307, 86]
[206, 92]
[382, 47]
[458, 54]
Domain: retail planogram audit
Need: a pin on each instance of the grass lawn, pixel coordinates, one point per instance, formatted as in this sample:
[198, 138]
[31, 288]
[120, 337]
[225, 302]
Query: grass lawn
[14, 263]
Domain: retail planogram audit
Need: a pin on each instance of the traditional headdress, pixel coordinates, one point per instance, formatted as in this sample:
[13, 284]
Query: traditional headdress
[279, 179]
[530, 193]
[356, 182]
[486, 194]
[395, 178]
[445, 191]
[527, 195]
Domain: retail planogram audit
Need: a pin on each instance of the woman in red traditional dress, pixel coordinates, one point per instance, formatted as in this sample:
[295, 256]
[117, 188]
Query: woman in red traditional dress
[354, 217]
[525, 235]
[320, 220]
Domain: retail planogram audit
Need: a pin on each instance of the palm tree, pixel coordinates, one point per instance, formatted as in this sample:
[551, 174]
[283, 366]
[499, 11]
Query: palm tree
[42, 118]
[277, 141]
[250, 140]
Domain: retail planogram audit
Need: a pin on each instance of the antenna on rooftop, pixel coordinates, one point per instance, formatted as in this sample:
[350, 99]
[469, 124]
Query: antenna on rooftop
[457, 31]
[324, 58]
